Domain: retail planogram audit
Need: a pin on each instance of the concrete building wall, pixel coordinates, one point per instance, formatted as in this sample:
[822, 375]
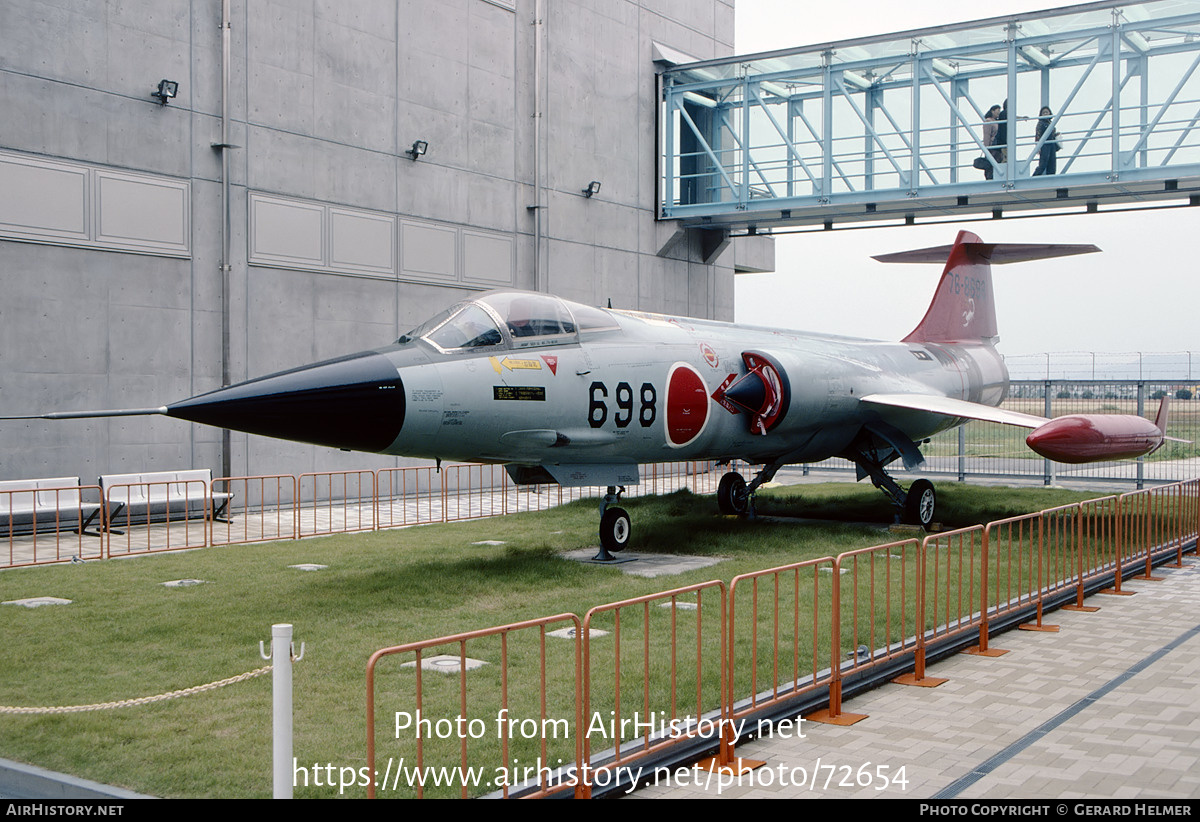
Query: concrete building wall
[111, 206]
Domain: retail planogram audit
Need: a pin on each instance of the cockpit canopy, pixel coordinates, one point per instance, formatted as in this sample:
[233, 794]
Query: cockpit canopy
[511, 319]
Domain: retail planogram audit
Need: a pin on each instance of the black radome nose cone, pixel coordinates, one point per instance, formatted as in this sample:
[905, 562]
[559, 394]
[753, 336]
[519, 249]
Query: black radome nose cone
[354, 402]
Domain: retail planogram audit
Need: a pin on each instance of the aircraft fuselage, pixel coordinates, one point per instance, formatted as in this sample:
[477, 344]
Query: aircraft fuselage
[629, 394]
[568, 393]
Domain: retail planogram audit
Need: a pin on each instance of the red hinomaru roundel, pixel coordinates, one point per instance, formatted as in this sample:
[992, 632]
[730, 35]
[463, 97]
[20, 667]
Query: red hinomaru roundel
[687, 404]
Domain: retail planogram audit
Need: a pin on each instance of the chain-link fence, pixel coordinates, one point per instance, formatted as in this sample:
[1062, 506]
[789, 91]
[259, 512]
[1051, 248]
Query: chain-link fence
[1182, 367]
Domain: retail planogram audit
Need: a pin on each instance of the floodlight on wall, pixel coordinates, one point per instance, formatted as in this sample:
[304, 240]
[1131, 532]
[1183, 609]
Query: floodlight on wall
[592, 188]
[419, 147]
[166, 90]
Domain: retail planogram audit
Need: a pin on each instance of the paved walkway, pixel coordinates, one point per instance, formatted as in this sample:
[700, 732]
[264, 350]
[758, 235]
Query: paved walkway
[1108, 708]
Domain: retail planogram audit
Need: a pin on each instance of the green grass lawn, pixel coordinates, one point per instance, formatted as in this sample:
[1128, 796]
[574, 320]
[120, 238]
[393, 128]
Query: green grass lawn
[125, 635]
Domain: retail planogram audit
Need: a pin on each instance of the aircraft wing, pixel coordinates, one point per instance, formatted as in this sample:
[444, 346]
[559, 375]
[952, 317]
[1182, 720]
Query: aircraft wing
[956, 408]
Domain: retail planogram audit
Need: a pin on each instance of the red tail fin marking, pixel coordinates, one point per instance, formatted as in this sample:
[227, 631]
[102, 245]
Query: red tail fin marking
[963, 308]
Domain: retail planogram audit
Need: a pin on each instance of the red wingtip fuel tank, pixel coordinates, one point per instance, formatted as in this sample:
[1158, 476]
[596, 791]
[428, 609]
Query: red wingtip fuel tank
[1089, 437]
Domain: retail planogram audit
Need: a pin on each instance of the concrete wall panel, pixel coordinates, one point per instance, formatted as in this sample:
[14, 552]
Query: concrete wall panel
[58, 41]
[572, 270]
[325, 98]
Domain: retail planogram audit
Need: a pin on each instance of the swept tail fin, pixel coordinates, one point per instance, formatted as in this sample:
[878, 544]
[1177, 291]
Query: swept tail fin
[963, 308]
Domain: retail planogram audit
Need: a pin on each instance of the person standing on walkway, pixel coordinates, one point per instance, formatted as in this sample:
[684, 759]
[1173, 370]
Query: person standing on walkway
[1002, 134]
[1048, 154]
[990, 126]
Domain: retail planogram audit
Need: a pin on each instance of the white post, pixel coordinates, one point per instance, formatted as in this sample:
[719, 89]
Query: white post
[281, 690]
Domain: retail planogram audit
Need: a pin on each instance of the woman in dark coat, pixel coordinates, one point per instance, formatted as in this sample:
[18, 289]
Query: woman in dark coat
[1048, 155]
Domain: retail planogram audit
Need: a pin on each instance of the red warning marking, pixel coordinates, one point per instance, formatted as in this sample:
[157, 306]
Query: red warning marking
[687, 404]
[719, 395]
[552, 362]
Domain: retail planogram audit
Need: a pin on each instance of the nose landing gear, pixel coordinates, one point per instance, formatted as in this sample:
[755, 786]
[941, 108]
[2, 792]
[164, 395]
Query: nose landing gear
[615, 528]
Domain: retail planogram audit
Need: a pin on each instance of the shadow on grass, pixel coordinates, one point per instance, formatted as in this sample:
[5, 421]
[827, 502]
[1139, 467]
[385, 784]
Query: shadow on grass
[958, 505]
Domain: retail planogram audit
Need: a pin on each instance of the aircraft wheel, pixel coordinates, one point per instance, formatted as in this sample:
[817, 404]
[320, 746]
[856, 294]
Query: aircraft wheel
[731, 494]
[615, 529]
[920, 503]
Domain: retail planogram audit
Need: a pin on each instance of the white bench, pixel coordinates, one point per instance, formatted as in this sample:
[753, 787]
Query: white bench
[50, 504]
[161, 495]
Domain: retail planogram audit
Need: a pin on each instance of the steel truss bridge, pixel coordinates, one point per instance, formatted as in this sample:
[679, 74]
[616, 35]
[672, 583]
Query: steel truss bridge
[889, 128]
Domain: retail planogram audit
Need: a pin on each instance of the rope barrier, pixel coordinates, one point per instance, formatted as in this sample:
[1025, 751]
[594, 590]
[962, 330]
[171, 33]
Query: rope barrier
[144, 700]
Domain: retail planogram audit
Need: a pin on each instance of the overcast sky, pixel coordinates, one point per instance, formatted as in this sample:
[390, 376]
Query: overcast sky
[1141, 294]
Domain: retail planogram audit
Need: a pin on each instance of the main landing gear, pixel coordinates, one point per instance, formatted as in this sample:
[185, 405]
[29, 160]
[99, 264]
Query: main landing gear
[917, 505]
[734, 496]
[615, 528]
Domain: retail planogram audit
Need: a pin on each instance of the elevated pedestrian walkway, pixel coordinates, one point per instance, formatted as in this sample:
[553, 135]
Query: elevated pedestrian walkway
[892, 128]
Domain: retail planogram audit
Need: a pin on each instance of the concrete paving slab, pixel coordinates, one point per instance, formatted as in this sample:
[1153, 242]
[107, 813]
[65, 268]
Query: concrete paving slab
[649, 565]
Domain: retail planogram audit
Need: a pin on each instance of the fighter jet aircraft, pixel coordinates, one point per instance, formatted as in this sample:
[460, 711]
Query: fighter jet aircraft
[565, 393]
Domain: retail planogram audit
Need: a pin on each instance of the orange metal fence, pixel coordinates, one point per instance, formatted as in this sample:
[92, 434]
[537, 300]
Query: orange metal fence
[180, 511]
[260, 508]
[783, 634]
[266, 509]
[875, 610]
[1163, 515]
[522, 744]
[408, 496]
[777, 647]
[648, 681]
[342, 501]
[35, 523]
[951, 584]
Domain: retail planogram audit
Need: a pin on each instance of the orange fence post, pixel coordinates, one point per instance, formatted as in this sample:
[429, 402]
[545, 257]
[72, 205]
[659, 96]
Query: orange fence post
[1141, 531]
[985, 608]
[656, 676]
[947, 599]
[1077, 544]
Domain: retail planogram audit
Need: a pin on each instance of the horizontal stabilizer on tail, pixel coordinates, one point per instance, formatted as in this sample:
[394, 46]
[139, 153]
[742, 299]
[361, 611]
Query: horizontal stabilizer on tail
[963, 309]
[995, 253]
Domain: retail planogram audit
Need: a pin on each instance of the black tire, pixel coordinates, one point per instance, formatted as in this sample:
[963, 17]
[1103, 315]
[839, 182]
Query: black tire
[615, 529]
[731, 494]
[920, 503]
